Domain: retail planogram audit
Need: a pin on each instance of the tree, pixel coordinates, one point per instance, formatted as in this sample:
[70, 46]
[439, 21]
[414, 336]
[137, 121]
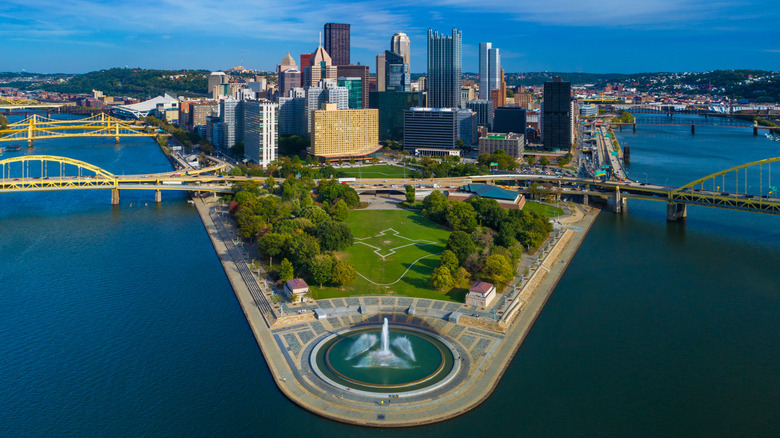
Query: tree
[343, 273]
[435, 207]
[238, 150]
[302, 248]
[270, 182]
[449, 260]
[441, 278]
[4, 122]
[334, 235]
[410, 194]
[315, 214]
[506, 235]
[236, 171]
[461, 216]
[461, 277]
[489, 212]
[544, 161]
[497, 269]
[531, 159]
[321, 268]
[286, 272]
[271, 245]
[339, 211]
[248, 223]
[461, 245]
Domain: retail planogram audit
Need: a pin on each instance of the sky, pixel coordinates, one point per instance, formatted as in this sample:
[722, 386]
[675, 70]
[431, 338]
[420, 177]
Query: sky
[605, 36]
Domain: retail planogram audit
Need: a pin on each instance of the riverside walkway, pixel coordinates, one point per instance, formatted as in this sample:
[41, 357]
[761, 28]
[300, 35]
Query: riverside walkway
[485, 347]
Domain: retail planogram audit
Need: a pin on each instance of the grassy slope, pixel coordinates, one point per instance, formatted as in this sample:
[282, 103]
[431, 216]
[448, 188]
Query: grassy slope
[378, 171]
[416, 282]
[546, 210]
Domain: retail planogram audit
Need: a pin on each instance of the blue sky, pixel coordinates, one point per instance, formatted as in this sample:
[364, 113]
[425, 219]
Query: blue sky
[75, 36]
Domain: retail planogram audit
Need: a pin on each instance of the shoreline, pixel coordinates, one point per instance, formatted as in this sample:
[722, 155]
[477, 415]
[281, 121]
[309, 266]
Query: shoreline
[286, 341]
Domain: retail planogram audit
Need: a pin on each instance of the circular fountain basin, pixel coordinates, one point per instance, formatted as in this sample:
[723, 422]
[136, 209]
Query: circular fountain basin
[415, 361]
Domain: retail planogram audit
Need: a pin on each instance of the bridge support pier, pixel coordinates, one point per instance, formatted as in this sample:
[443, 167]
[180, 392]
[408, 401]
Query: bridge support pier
[634, 127]
[114, 196]
[617, 202]
[29, 143]
[755, 131]
[675, 211]
[693, 129]
[116, 140]
[158, 196]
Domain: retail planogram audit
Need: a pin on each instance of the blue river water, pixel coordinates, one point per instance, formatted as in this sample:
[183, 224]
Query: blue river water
[119, 321]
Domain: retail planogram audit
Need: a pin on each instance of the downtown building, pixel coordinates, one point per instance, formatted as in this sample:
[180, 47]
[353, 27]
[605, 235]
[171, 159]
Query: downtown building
[391, 106]
[320, 67]
[510, 119]
[489, 70]
[337, 42]
[327, 92]
[231, 114]
[292, 113]
[339, 134]
[436, 131]
[360, 72]
[397, 77]
[557, 115]
[484, 112]
[512, 144]
[444, 69]
[261, 134]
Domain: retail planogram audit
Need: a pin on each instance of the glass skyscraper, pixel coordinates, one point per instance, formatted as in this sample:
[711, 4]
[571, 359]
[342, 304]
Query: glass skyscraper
[397, 76]
[489, 70]
[337, 42]
[444, 69]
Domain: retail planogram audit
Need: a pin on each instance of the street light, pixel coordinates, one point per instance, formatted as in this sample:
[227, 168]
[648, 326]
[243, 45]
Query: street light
[645, 177]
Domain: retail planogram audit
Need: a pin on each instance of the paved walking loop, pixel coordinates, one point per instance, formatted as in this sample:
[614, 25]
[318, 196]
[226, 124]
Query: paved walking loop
[485, 347]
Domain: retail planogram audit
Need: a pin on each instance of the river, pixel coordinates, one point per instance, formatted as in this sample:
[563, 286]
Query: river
[119, 321]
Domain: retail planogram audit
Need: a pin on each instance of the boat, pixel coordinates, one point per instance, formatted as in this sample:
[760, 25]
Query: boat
[13, 148]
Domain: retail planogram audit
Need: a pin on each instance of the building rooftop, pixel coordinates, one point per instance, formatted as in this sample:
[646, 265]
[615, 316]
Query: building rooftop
[297, 283]
[489, 191]
[481, 287]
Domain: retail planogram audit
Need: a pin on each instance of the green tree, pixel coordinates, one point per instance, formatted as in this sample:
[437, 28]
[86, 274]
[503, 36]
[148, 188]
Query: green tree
[236, 171]
[461, 245]
[343, 273]
[3, 122]
[435, 207]
[410, 194]
[449, 260]
[506, 235]
[497, 270]
[461, 277]
[461, 216]
[544, 161]
[302, 248]
[271, 244]
[286, 271]
[339, 211]
[531, 159]
[441, 278]
[238, 150]
[315, 214]
[248, 223]
[270, 182]
[334, 235]
[322, 268]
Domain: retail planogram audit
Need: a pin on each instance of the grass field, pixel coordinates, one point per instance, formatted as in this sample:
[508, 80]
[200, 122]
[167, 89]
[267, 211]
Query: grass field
[378, 171]
[411, 252]
[547, 210]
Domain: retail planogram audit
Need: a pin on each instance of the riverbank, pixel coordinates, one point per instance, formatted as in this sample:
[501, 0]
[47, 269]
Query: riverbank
[286, 342]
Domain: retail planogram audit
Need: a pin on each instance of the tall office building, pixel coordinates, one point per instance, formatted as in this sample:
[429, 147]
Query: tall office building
[436, 131]
[354, 88]
[489, 70]
[510, 119]
[444, 69]
[557, 114]
[356, 71]
[400, 44]
[287, 63]
[380, 72]
[326, 92]
[391, 106]
[498, 95]
[288, 80]
[215, 79]
[305, 58]
[484, 112]
[320, 67]
[337, 42]
[397, 76]
[260, 131]
[232, 116]
[339, 134]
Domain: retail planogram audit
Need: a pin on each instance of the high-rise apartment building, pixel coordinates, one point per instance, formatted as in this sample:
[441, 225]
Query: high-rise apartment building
[400, 45]
[261, 131]
[292, 113]
[557, 115]
[489, 70]
[444, 69]
[231, 114]
[356, 71]
[337, 42]
[326, 92]
[397, 76]
[339, 134]
[380, 72]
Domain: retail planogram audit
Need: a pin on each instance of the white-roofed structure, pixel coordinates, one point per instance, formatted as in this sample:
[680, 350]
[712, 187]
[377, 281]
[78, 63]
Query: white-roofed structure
[142, 109]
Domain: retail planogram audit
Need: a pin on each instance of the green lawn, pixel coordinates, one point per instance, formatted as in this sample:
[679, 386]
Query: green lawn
[416, 246]
[547, 210]
[378, 171]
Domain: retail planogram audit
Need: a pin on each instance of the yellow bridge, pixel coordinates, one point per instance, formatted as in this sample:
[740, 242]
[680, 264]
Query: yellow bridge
[49, 173]
[101, 125]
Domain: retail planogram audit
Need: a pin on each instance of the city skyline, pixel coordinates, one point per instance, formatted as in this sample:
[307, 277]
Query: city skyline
[77, 37]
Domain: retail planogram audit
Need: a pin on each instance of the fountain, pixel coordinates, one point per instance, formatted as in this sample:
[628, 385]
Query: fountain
[377, 359]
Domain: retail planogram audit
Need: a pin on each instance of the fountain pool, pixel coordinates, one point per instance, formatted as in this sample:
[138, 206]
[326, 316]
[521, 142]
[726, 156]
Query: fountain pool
[385, 360]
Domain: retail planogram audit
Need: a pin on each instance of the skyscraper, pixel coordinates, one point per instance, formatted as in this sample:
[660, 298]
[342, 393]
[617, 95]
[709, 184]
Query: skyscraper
[396, 73]
[556, 114]
[215, 79]
[380, 72]
[260, 131]
[354, 88]
[232, 116]
[489, 70]
[320, 67]
[356, 71]
[400, 45]
[337, 42]
[444, 69]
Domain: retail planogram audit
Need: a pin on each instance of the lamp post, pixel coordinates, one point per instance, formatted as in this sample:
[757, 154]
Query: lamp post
[645, 177]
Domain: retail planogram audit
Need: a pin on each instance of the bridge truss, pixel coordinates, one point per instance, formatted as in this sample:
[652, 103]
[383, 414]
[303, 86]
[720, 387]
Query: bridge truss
[38, 127]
